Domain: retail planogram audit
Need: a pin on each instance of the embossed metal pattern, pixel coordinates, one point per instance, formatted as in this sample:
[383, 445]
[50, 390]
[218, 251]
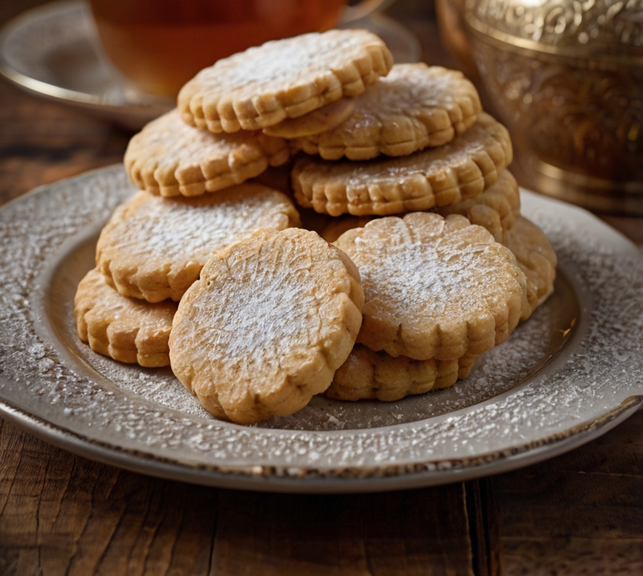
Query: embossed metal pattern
[566, 77]
[583, 120]
[568, 26]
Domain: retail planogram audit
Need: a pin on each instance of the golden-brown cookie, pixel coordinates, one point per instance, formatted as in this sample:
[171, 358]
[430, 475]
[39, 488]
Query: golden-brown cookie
[154, 248]
[464, 167]
[170, 158]
[267, 324]
[537, 259]
[125, 329]
[283, 79]
[496, 209]
[434, 287]
[415, 106]
[378, 375]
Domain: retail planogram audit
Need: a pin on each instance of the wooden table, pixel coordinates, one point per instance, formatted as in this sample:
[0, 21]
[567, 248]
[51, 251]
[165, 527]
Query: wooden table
[580, 513]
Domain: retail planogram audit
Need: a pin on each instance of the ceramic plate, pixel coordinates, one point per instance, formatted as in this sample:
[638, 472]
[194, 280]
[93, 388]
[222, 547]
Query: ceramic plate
[53, 51]
[567, 375]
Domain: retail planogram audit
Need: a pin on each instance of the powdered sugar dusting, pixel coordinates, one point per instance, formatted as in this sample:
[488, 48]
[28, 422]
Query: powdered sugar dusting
[428, 280]
[417, 278]
[167, 231]
[257, 308]
[413, 91]
[171, 144]
[504, 407]
[296, 60]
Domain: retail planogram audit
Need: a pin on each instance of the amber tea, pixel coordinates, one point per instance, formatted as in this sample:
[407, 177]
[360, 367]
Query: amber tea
[160, 44]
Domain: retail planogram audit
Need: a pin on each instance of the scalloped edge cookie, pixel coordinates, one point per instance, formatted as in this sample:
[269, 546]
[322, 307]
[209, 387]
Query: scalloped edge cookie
[367, 374]
[537, 259]
[434, 287]
[267, 324]
[497, 209]
[170, 158]
[413, 107]
[283, 79]
[153, 248]
[125, 329]
[461, 169]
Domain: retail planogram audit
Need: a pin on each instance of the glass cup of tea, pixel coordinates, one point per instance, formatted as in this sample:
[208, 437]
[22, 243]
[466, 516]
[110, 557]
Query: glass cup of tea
[160, 44]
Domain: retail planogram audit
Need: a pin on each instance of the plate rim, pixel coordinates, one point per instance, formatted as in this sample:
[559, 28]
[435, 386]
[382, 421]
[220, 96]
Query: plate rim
[47, 89]
[256, 479]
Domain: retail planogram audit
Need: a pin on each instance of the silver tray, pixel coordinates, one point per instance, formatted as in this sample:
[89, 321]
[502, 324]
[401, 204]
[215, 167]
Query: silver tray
[567, 375]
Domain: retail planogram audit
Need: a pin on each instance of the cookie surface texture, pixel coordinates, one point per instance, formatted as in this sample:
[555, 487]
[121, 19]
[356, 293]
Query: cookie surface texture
[377, 375]
[537, 259]
[125, 329]
[415, 106]
[170, 158]
[434, 287]
[283, 79]
[458, 170]
[154, 248]
[267, 324]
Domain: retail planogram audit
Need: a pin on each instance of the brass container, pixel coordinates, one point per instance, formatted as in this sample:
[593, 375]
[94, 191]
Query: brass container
[566, 77]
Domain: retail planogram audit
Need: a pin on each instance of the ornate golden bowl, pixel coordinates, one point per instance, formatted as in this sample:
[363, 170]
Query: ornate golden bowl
[566, 77]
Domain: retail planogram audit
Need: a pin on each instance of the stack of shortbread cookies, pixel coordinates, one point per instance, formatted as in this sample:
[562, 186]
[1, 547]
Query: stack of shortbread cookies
[418, 261]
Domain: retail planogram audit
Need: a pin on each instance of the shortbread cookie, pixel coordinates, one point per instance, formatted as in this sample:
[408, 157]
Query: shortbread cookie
[434, 287]
[377, 375]
[415, 106]
[170, 158]
[154, 248]
[125, 329]
[464, 167]
[267, 324]
[283, 79]
[496, 209]
[536, 258]
[315, 122]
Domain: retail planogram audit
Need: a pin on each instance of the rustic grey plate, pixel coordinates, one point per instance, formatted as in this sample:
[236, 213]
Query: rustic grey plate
[569, 374]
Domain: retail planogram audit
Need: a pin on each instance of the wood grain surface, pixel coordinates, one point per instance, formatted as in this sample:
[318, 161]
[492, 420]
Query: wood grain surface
[61, 514]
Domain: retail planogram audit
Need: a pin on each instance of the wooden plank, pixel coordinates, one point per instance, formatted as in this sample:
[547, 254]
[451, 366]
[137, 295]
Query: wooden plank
[580, 513]
[414, 532]
[62, 514]
[484, 528]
